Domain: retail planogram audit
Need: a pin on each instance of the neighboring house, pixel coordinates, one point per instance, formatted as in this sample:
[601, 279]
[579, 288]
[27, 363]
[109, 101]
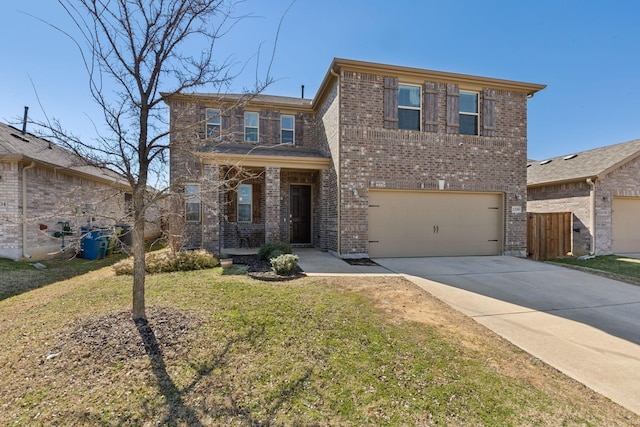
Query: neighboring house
[601, 188]
[47, 194]
[385, 161]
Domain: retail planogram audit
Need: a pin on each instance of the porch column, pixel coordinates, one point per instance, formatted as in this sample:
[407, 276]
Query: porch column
[272, 202]
[210, 208]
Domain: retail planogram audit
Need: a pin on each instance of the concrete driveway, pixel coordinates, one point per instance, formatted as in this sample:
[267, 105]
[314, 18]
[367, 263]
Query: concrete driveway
[586, 326]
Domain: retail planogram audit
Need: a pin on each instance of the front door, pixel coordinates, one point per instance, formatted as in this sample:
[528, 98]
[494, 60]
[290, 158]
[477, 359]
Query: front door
[300, 214]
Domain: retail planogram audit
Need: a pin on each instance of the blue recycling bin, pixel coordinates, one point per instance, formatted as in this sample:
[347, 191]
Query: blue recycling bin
[92, 244]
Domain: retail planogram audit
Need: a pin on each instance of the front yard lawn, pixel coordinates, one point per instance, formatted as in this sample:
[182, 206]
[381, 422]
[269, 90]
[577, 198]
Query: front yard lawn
[229, 350]
[613, 266]
[17, 277]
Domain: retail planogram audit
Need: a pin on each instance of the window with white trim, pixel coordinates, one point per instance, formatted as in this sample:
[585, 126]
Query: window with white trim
[287, 129]
[409, 107]
[192, 204]
[251, 122]
[469, 113]
[245, 202]
[213, 123]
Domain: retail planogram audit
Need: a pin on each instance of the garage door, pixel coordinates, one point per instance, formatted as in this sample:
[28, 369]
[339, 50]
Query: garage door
[418, 223]
[626, 224]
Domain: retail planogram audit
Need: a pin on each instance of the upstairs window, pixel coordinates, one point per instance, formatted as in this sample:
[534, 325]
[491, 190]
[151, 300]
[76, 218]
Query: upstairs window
[192, 205]
[251, 122]
[245, 202]
[287, 129]
[409, 107]
[469, 116]
[213, 123]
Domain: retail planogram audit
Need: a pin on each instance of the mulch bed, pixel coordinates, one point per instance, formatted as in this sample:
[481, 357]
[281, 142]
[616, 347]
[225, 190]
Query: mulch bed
[261, 270]
[116, 337]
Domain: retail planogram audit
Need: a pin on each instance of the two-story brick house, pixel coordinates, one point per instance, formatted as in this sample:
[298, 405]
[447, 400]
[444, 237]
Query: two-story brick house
[384, 161]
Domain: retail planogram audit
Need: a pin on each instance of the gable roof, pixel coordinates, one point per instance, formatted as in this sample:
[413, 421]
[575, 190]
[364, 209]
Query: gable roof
[255, 101]
[338, 64]
[252, 155]
[418, 75]
[579, 166]
[14, 146]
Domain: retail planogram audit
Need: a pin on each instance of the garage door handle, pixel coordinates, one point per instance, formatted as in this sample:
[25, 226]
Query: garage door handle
[436, 229]
[374, 241]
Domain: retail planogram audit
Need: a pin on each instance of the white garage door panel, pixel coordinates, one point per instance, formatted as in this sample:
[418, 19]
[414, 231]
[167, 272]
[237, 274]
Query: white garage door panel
[626, 224]
[405, 224]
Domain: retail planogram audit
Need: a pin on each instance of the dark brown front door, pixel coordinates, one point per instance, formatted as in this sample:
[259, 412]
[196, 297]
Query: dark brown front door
[300, 213]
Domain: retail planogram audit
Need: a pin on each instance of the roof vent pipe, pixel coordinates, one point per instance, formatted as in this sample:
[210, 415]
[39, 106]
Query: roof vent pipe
[302, 91]
[24, 120]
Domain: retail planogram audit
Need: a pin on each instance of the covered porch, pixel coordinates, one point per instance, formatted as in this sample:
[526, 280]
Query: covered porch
[262, 194]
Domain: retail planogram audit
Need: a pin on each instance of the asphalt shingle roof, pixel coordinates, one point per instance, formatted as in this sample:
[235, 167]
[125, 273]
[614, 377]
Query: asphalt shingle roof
[582, 165]
[28, 147]
[275, 150]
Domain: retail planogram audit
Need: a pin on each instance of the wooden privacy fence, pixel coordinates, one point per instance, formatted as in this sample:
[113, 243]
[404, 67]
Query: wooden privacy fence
[548, 235]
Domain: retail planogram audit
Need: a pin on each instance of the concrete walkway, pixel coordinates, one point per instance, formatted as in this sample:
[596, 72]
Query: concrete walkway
[317, 263]
[586, 326]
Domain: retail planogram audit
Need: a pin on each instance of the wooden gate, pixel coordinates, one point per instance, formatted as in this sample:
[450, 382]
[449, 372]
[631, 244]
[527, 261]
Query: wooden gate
[548, 235]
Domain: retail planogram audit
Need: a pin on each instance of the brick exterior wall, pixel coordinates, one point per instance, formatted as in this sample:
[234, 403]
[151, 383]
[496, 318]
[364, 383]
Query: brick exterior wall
[373, 157]
[10, 211]
[53, 197]
[188, 118]
[272, 205]
[575, 198]
[328, 139]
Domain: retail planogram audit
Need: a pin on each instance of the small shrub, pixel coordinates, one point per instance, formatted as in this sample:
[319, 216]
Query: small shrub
[167, 261]
[268, 250]
[285, 265]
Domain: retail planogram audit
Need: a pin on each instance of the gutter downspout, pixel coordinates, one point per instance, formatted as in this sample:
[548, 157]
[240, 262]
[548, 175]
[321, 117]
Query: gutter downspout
[592, 215]
[24, 209]
[339, 239]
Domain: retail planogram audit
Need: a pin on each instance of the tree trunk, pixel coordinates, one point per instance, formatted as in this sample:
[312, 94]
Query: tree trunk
[139, 262]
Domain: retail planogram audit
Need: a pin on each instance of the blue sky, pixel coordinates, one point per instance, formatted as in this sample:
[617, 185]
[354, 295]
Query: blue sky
[585, 52]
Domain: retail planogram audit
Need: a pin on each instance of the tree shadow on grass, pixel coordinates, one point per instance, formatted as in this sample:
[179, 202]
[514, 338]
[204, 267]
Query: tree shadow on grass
[177, 409]
[179, 412]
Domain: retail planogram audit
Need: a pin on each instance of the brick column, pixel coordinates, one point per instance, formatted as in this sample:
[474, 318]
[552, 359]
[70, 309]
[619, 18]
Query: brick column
[211, 208]
[272, 202]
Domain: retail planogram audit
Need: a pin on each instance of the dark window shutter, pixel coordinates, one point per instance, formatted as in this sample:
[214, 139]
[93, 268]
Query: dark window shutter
[390, 103]
[201, 117]
[256, 194]
[453, 108]
[239, 128]
[299, 131]
[225, 124]
[275, 127]
[489, 112]
[231, 200]
[263, 131]
[430, 90]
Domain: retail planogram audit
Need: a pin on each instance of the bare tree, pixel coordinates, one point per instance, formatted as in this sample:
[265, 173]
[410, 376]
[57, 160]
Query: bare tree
[133, 50]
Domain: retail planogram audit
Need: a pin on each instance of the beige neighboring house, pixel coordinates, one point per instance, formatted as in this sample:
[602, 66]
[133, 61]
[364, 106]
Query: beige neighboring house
[601, 188]
[48, 194]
